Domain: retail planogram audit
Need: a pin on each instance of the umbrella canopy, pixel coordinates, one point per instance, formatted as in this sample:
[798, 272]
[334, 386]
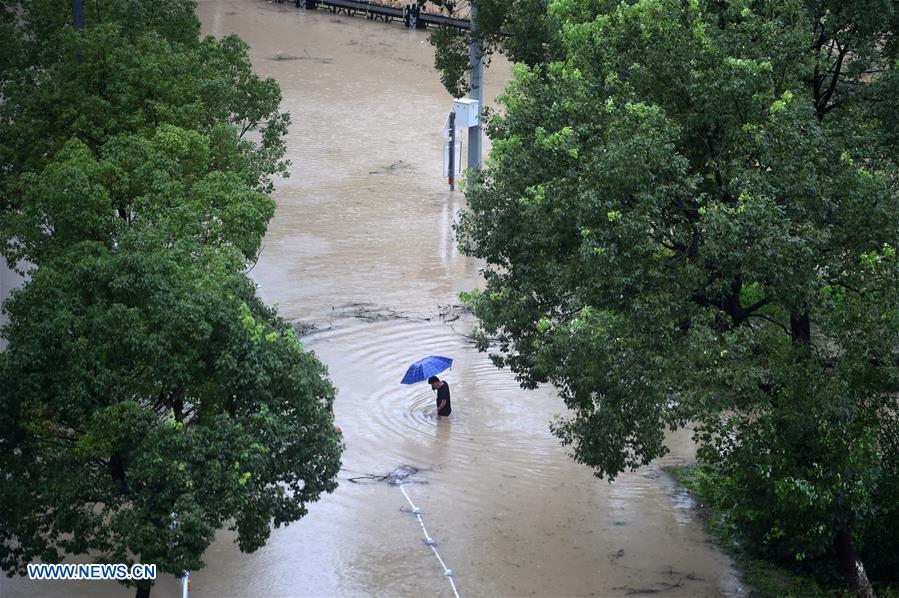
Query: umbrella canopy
[425, 368]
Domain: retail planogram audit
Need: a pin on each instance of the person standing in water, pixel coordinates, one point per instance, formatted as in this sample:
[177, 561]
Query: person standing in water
[443, 396]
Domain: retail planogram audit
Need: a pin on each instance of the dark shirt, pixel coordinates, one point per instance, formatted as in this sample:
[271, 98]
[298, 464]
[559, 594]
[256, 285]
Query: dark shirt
[443, 394]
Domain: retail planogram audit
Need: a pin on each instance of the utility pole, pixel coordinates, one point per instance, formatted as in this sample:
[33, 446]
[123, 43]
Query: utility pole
[78, 13]
[476, 64]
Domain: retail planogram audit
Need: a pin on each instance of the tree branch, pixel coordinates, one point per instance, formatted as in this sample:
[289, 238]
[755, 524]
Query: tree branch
[772, 320]
[822, 107]
[758, 304]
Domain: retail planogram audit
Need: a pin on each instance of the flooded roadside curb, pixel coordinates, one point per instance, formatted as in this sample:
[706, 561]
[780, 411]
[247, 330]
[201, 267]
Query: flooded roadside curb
[763, 579]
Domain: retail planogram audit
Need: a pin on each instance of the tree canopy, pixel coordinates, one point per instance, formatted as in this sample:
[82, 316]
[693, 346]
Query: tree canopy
[690, 214]
[523, 30]
[149, 397]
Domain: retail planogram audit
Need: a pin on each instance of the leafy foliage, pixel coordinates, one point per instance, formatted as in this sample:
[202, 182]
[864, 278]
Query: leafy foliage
[693, 215]
[149, 397]
[521, 29]
[151, 400]
[764, 577]
[451, 59]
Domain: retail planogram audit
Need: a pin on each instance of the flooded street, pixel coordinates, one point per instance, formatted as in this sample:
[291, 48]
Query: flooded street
[361, 251]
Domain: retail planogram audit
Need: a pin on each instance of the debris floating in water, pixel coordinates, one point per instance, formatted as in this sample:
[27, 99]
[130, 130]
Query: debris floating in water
[399, 475]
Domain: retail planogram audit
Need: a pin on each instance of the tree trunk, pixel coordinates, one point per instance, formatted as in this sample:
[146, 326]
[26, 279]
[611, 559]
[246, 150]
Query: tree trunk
[143, 591]
[801, 329]
[852, 566]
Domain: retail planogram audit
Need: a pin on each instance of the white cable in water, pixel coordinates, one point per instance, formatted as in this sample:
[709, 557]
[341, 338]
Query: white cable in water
[429, 541]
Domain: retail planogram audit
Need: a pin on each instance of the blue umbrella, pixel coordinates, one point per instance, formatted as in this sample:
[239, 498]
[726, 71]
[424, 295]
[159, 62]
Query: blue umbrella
[425, 368]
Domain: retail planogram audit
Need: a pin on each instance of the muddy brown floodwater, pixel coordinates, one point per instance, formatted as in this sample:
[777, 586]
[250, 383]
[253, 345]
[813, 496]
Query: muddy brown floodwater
[362, 250]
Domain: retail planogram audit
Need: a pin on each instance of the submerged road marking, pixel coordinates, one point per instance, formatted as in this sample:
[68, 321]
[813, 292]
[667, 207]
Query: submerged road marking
[430, 541]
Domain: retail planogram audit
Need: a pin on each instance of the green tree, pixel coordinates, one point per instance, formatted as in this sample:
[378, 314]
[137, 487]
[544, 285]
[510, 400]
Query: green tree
[149, 397]
[523, 30]
[693, 216]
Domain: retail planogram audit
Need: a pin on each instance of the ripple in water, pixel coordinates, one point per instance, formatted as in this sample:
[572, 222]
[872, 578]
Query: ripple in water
[421, 416]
